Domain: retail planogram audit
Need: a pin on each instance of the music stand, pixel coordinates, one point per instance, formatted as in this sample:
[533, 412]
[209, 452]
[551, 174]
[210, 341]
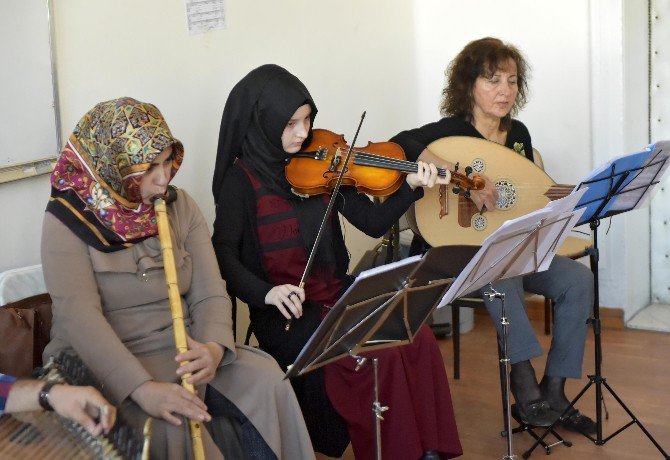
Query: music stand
[519, 247]
[620, 185]
[375, 311]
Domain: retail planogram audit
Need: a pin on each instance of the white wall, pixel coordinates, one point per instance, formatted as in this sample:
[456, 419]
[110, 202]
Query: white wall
[554, 37]
[618, 104]
[350, 54]
[660, 124]
[383, 56]
[22, 204]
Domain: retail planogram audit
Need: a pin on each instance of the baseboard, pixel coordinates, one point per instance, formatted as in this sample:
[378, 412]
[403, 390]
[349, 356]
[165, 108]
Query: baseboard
[611, 318]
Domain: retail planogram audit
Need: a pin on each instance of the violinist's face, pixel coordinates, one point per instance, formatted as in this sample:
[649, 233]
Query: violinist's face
[155, 180]
[495, 95]
[297, 129]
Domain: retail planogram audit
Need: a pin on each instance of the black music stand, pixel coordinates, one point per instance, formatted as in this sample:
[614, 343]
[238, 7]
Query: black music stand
[385, 307]
[621, 185]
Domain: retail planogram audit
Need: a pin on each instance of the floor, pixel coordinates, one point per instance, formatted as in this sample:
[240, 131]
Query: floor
[635, 364]
[655, 317]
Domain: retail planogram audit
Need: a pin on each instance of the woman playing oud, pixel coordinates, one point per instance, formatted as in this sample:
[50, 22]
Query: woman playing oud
[487, 85]
[263, 235]
[104, 270]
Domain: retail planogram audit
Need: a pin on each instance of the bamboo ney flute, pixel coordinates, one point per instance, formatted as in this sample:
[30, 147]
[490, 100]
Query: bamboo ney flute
[176, 307]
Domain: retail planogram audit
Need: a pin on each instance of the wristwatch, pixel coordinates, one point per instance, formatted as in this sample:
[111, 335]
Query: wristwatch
[44, 396]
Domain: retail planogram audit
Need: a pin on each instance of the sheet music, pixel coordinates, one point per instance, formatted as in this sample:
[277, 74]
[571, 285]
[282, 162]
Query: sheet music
[624, 183]
[523, 245]
[636, 193]
[205, 15]
[386, 267]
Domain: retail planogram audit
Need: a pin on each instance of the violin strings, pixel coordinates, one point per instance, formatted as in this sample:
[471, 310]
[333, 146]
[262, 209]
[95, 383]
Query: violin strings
[374, 160]
[367, 159]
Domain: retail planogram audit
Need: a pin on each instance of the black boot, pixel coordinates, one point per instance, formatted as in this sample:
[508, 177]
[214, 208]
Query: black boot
[553, 390]
[430, 455]
[530, 406]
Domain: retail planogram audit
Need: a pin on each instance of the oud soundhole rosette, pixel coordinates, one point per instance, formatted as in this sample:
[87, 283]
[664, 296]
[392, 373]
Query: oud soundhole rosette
[479, 222]
[507, 196]
[478, 165]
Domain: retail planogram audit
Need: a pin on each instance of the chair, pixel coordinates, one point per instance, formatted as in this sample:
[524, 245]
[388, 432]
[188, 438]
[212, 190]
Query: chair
[25, 320]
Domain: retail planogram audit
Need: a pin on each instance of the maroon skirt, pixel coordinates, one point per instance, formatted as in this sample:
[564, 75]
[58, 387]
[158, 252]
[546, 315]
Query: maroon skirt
[413, 384]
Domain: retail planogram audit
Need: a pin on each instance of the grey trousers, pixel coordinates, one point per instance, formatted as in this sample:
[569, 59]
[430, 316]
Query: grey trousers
[570, 285]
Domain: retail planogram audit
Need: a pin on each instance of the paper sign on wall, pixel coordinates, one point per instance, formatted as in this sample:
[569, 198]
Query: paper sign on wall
[205, 15]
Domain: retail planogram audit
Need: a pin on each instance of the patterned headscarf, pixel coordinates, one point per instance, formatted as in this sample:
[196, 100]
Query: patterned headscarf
[95, 184]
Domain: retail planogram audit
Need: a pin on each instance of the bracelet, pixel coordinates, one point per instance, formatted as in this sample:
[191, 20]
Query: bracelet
[44, 396]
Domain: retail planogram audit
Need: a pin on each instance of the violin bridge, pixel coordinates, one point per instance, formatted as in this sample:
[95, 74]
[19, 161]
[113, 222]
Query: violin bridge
[336, 161]
[321, 153]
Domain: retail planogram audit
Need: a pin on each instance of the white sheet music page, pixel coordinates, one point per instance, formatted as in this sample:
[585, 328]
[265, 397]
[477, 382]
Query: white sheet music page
[520, 246]
[387, 267]
[205, 15]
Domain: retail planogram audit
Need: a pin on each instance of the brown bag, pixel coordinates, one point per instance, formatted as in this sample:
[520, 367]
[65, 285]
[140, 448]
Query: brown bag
[24, 332]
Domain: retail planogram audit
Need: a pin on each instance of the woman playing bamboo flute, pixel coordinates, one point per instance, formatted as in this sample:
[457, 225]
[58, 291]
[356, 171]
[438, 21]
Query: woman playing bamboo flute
[104, 270]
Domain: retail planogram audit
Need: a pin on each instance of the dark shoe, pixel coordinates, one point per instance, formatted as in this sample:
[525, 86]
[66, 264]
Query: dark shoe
[576, 421]
[430, 455]
[534, 413]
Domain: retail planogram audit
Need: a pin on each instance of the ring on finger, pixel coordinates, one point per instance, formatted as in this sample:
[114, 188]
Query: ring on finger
[292, 294]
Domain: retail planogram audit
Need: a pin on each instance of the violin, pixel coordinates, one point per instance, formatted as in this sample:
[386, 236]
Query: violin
[377, 169]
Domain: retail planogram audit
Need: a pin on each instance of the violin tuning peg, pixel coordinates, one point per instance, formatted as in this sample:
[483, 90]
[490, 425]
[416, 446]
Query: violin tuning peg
[467, 194]
[456, 166]
[468, 170]
[456, 189]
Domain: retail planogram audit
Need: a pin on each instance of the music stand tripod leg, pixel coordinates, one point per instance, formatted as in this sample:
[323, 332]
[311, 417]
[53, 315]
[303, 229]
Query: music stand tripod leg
[597, 379]
[377, 408]
[504, 363]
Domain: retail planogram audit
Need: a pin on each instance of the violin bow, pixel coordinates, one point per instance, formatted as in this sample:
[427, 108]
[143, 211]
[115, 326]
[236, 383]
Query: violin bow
[329, 209]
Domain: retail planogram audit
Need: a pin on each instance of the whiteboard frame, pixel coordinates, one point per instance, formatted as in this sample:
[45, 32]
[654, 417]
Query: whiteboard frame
[16, 171]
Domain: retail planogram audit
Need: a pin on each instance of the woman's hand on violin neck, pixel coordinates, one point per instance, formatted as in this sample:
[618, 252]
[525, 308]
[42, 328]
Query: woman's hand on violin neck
[429, 157]
[202, 361]
[426, 176]
[164, 400]
[486, 196]
[287, 298]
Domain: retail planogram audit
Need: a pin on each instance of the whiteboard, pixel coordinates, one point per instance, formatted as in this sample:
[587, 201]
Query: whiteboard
[28, 123]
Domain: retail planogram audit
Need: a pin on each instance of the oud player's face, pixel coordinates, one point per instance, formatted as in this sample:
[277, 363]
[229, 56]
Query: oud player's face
[297, 129]
[494, 95]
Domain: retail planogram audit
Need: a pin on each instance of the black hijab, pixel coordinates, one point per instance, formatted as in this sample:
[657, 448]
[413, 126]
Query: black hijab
[256, 113]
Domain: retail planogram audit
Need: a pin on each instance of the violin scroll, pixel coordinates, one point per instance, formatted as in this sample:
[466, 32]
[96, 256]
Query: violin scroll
[463, 183]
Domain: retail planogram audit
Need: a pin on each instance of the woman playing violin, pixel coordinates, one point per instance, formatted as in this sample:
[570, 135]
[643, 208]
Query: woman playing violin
[263, 235]
[487, 85]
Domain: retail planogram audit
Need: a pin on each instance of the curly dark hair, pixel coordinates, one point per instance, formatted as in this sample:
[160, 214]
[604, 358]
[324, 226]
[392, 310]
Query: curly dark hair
[481, 58]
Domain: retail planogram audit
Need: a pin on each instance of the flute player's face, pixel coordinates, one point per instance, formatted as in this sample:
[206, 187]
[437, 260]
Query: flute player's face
[297, 129]
[156, 179]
